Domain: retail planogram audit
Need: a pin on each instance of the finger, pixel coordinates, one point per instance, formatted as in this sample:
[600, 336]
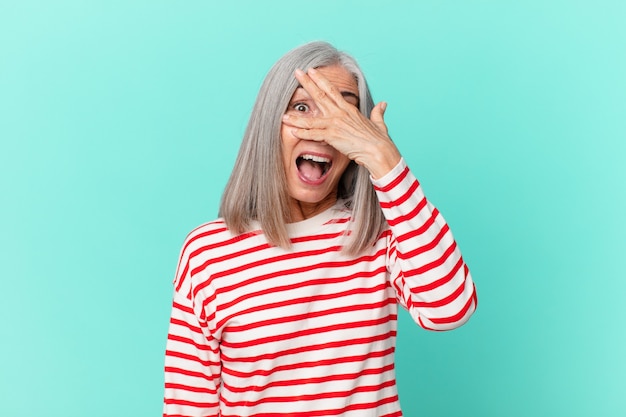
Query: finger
[317, 94]
[319, 135]
[304, 122]
[329, 88]
[325, 95]
[377, 116]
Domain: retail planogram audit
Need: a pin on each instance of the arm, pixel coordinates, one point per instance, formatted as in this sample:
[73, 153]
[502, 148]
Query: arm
[192, 359]
[426, 267]
[427, 270]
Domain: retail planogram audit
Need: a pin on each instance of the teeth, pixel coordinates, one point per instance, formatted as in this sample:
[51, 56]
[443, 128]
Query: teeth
[315, 158]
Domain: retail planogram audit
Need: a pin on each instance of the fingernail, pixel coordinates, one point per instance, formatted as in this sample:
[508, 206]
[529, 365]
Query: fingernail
[299, 72]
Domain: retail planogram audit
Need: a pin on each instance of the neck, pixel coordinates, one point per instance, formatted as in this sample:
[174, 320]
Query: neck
[301, 210]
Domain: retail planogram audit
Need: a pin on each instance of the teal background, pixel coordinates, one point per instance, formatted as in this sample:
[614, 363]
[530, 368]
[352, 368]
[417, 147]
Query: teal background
[120, 122]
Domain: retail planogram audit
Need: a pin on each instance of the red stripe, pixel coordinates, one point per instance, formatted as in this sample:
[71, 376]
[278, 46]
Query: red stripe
[182, 307]
[190, 388]
[422, 325]
[313, 238]
[179, 322]
[410, 215]
[432, 265]
[221, 243]
[318, 380]
[385, 234]
[442, 281]
[341, 220]
[186, 415]
[308, 332]
[289, 272]
[394, 183]
[456, 317]
[228, 256]
[300, 300]
[192, 358]
[181, 277]
[399, 288]
[232, 255]
[428, 247]
[276, 259]
[474, 295]
[211, 414]
[444, 301]
[263, 260]
[420, 230]
[309, 315]
[194, 374]
[404, 197]
[174, 401]
[304, 349]
[312, 397]
[188, 341]
[329, 412]
[266, 261]
[294, 271]
[392, 250]
[191, 237]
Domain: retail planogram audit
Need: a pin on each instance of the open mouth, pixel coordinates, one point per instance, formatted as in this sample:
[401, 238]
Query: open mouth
[313, 168]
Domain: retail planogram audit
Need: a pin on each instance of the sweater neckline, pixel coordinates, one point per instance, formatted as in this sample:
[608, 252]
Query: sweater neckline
[319, 221]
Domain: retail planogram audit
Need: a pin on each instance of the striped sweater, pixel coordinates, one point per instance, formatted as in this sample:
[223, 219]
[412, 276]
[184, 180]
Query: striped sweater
[260, 331]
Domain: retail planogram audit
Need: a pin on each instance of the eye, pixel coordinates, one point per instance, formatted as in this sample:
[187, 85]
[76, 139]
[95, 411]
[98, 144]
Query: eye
[301, 107]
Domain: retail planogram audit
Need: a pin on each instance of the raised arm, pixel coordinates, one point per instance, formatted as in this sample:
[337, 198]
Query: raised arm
[427, 270]
[426, 266]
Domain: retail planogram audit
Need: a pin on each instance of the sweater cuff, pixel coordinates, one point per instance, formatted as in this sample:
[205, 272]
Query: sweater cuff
[388, 178]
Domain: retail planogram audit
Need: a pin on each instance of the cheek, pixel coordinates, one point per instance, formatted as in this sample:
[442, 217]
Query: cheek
[287, 142]
[286, 136]
[342, 163]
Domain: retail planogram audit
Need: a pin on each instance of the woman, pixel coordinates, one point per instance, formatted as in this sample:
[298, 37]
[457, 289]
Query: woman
[287, 304]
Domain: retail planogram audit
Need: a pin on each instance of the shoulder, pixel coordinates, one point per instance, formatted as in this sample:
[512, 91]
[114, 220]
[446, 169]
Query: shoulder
[207, 231]
[212, 235]
[208, 243]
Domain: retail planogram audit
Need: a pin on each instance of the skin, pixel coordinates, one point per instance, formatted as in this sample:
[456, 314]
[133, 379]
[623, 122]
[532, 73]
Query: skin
[323, 119]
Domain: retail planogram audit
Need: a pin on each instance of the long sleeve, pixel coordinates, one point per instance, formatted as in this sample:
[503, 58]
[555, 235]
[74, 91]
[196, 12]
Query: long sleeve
[192, 358]
[427, 270]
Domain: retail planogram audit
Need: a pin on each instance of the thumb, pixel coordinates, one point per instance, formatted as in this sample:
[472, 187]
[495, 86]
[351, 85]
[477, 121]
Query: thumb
[377, 115]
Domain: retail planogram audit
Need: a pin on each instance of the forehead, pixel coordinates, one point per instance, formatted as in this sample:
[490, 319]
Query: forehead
[339, 77]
